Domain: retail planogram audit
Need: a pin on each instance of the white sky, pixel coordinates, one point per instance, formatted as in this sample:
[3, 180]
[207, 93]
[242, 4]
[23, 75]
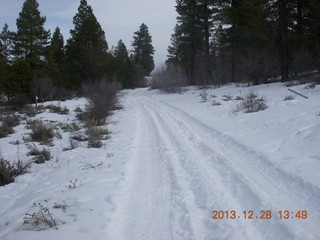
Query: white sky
[118, 18]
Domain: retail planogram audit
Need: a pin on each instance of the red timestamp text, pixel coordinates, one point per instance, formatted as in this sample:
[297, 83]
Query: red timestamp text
[262, 214]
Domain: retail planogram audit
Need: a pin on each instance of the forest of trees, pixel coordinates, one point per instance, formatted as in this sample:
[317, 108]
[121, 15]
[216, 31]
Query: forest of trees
[214, 42]
[218, 41]
[35, 63]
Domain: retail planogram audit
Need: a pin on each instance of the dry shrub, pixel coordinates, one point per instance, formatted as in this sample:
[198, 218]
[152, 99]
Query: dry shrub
[32, 111]
[8, 122]
[251, 102]
[41, 219]
[95, 134]
[170, 78]
[57, 109]
[288, 98]
[40, 156]
[8, 170]
[102, 96]
[41, 132]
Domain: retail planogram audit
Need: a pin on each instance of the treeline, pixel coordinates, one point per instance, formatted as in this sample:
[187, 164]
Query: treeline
[34, 63]
[217, 41]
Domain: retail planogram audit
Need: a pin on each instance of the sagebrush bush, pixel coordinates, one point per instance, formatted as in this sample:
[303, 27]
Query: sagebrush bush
[102, 96]
[40, 156]
[69, 127]
[215, 103]
[227, 98]
[32, 111]
[41, 132]
[204, 96]
[95, 134]
[288, 98]
[57, 109]
[8, 170]
[251, 102]
[7, 123]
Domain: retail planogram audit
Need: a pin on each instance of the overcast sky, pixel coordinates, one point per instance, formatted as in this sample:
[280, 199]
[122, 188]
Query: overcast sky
[118, 18]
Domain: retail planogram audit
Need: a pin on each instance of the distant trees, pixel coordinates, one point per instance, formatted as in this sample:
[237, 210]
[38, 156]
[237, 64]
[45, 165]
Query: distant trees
[32, 62]
[245, 41]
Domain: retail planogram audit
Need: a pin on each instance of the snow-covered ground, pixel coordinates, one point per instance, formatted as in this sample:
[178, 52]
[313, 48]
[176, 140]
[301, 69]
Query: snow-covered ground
[170, 162]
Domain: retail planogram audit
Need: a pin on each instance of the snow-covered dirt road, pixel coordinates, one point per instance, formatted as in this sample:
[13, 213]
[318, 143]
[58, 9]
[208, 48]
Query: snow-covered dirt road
[177, 167]
[181, 170]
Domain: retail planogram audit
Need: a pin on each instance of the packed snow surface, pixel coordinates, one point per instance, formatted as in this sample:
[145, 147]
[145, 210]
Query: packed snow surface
[171, 161]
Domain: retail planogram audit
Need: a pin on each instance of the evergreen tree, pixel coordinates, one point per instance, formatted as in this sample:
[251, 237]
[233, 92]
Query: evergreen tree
[56, 58]
[123, 66]
[86, 50]
[143, 50]
[315, 30]
[284, 39]
[190, 33]
[6, 44]
[174, 50]
[190, 43]
[31, 39]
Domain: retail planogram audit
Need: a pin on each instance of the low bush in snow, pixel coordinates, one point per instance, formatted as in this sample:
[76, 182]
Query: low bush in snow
[170, 79]
[7, 123]
[95, 134]
[8, 170]
[41, 132]
[250, 103]
[215, 103]
[288, 98]
[204, 96]
[227, 98]
[42, 219]
[69, 127]
[40, 156]
[102, 96]
[238, 98]
[57, 109]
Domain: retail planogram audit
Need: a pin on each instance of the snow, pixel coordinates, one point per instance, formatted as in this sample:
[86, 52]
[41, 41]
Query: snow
[172, 160]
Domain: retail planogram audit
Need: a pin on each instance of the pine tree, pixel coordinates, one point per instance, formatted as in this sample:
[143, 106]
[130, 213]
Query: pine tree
[284, 39]
[143, 50]
[86, 50]
[56, 58]
[190, 34]
[6, 44]
[174, 50]
[5, 57]
[315, 29]
[123, 66]
[31, 39]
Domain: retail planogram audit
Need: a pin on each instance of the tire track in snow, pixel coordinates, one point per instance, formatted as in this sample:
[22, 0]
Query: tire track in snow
[196, 169]
[205, 187]
[142, 205]
[246, 167]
